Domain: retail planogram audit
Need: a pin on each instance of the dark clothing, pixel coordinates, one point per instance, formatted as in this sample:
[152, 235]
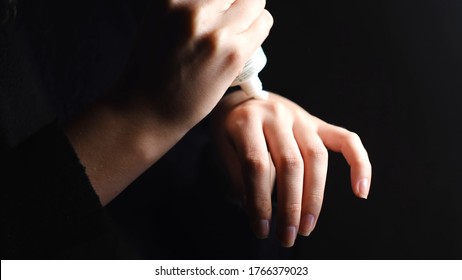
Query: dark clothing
[390, 71]
[50, 53]
[56, 58]
[49, 209]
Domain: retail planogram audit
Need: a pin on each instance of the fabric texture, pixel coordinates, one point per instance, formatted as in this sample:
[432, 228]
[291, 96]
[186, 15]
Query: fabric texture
[49, 209]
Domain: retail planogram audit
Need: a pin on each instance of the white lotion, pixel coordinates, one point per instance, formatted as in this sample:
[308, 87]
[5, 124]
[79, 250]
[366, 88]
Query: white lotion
[248, 80]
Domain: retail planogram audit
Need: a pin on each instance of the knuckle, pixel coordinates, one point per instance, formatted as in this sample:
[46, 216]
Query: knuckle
[316, 198]
[211, 41]
[363, 162]
[234, 58]
[352, 138]
[243, 112]
[255, 163]
[269, 18]
[353, 142]
[262, 207]
[239, 117]
[277, 109]
[318, 153]
[217, 44]
[292, 209]
[291, 161]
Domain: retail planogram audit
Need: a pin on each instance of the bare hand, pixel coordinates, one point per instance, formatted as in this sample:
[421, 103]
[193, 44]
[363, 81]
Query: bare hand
[276, 142]
[188, 53]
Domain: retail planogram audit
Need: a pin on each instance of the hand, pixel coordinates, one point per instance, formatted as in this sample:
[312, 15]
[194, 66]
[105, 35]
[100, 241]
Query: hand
[188, 53]
[276, 142]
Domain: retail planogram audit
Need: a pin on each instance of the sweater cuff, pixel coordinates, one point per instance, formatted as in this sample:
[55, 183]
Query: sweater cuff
[49, 205]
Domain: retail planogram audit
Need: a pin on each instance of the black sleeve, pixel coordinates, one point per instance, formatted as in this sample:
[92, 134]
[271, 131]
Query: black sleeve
[49, 208]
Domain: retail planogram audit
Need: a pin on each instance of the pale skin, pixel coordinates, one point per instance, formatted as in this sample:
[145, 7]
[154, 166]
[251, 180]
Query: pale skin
[186, 56]
[275, 142]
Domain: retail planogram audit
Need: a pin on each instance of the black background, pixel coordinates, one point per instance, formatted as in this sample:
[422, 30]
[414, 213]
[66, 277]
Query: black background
[390, 71]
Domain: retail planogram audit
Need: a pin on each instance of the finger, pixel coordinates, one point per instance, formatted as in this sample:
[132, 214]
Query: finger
[257, 32]
[289, 174]
[242, 13]
[315, 158]
[250, 145]
[349, 144]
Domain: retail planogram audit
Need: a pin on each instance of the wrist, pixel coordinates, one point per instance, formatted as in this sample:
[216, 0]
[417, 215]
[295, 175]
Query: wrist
[117, 142]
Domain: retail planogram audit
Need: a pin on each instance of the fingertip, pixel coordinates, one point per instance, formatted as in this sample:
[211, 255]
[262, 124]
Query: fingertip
[362, 188]
[289, 234]
[261, 228]
[307, 225]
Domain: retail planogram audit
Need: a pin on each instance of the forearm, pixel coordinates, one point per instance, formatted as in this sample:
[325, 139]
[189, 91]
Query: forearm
[117, 143]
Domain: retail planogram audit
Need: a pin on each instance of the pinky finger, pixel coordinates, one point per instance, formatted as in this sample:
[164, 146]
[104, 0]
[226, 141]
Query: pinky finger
[348, 143]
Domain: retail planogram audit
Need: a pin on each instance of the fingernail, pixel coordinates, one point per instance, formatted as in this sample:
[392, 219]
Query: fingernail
[261, 228]
[288, 238]
[306, 225]
[363, 188]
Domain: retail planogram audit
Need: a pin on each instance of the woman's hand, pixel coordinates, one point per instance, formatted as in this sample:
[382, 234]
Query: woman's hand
[276, 142]
[187, 54]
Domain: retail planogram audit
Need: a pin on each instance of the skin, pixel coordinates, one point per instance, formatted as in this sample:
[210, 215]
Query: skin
[186, 55]
[276, 143]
